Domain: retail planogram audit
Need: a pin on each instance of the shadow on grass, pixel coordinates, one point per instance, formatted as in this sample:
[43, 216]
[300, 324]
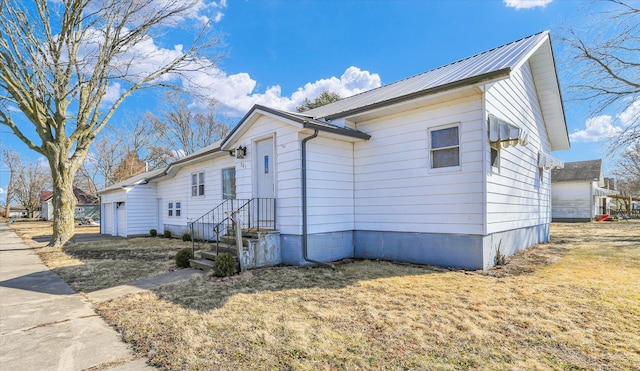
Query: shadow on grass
[202, 294]
[79, 238]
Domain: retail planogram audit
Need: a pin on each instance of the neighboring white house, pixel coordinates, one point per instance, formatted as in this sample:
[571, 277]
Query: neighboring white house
[446, 167]
[578, 192]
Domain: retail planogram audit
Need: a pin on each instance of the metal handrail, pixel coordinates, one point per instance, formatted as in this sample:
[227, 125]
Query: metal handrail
[212, 224]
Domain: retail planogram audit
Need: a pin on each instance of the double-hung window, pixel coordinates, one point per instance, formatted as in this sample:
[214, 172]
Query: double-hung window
[444, 147]
[174, 209]
[197, 184]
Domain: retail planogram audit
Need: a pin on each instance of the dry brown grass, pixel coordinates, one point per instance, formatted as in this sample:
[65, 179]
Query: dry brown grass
[570, 304]
[92, 262]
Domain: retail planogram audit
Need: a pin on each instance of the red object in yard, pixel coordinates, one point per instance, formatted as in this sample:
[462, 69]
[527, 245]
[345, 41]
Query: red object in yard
[603, 218]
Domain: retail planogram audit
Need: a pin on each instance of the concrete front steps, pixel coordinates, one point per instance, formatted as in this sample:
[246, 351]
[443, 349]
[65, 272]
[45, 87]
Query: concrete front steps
[207, 260]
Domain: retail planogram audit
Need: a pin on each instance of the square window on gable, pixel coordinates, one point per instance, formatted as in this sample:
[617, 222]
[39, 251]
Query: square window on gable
[444, 147]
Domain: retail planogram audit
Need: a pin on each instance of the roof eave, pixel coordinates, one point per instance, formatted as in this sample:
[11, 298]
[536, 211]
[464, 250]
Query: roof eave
[504, 72]
[187, 160]
[294, 119]
[335, 130]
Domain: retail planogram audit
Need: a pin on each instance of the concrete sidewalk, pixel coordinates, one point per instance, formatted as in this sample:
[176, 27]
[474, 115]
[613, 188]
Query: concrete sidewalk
[44, 325]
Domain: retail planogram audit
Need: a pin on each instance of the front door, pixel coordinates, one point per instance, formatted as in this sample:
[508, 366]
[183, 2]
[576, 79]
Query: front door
[262, 209]
[265, 181]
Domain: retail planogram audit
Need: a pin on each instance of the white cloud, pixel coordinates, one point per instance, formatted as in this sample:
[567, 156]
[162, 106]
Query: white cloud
[1, 191]
[236, 94]
[42, 162]
[526, 4]
[113, 93]
[597, 128]
[631, 115]
[605, 126]
[218, 17]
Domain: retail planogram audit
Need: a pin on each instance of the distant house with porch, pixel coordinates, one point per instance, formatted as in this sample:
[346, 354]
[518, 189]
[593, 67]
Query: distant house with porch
[579, 192]
[87, 206]
[449, 167]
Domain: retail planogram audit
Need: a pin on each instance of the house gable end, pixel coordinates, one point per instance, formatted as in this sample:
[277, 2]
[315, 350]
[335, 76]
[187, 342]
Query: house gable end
[545, 77]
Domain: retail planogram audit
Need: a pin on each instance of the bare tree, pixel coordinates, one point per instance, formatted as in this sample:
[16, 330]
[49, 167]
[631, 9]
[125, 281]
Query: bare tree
[605, 63]
[180, 131]
[31, 182]
[58, 60]
[627, 170]
[129, 166]
[12, 160]
[27, 181]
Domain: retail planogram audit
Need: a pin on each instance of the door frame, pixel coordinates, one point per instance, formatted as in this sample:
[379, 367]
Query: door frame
[254, 158]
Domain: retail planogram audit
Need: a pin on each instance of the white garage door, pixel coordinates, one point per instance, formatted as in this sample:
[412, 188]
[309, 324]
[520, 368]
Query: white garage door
[122, 219]
[107, 218]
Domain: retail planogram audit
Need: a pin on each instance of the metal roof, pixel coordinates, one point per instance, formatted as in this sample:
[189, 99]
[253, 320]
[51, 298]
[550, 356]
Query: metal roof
[484, 66]
[578, 171]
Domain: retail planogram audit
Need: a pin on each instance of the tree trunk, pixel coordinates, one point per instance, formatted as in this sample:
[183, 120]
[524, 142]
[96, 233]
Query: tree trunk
[64, 205]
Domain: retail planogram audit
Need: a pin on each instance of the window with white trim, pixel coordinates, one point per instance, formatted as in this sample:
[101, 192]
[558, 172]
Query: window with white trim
[197, 184]
[229, 183]
[174, 209]
[495, 155]
[444, 145]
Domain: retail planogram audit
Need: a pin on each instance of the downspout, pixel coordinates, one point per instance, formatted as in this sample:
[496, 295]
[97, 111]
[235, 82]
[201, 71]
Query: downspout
[305, 255]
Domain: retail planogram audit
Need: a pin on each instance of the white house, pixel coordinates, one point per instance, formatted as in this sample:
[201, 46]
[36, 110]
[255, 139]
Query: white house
[578, 192]
[446, 167]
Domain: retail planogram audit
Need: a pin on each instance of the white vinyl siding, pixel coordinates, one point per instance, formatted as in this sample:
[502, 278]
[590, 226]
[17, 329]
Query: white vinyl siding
[395, 188]
[517, 196]
[141, 210]
[178, 188]
[329, 185]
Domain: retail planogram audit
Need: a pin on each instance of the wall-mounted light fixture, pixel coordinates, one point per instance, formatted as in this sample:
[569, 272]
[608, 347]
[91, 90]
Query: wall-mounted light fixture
[239, 152]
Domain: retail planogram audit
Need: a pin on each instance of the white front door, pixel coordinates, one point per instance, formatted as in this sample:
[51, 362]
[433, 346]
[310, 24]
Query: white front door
[265, 169]
[122, 219]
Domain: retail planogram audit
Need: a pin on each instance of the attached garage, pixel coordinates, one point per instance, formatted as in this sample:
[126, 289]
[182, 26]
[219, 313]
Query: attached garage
[130, 207]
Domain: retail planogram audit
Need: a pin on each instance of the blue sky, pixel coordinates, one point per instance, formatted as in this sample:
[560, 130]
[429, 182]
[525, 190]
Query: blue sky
[280, 52]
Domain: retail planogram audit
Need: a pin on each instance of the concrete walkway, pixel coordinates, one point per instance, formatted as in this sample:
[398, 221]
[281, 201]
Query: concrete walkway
[45, 325]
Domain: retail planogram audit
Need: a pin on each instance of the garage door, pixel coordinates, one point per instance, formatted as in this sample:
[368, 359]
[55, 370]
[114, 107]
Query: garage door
[122, 219]
[107, 219]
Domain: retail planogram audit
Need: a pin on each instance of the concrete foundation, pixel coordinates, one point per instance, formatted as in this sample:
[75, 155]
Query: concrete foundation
[447, 250]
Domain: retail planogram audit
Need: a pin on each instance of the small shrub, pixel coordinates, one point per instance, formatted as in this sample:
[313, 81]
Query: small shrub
[167, 234]
[186, 237]
[153, 232]
[225, 265]
[182, 258]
